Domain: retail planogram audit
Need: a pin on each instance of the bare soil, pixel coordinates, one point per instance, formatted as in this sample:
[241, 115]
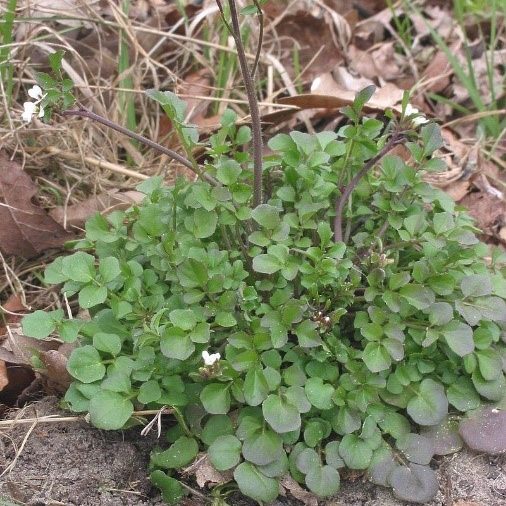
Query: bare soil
[71, 463]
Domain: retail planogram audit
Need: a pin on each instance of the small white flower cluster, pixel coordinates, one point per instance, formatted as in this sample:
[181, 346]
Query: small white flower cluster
[419, 120]
[210, 359]
[30, 109]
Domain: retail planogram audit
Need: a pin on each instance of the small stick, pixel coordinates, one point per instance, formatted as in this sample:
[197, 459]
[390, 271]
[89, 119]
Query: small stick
[341, 201]
[84, 113]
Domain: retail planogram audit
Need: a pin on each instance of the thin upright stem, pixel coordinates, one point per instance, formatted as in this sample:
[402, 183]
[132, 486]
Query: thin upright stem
[260, 38]
[249, 83]
[348, 190]
[85, 113]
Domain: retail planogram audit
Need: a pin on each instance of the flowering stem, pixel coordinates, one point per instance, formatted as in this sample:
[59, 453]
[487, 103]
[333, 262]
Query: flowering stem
[341, 201]
[85, 113]
[249, 83]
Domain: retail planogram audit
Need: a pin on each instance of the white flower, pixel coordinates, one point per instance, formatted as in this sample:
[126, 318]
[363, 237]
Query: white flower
[210, 359]
[32, 108]
[418, 120]
[35, 92]
[29, 109]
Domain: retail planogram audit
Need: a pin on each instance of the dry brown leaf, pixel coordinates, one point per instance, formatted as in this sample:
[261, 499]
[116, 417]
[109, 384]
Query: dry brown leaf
[315, 41]
[24, 347]
[56, 372]
[4, 379]
[437, 73]
[297, 491]
[205, 473]
[26, 229]
[386, 97]
[77, 214]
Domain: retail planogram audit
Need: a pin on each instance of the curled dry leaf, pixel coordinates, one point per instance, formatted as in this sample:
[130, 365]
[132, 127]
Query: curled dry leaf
[56, 374]
[297, 491]
[205, 473]
[27, 229]
[77, 214]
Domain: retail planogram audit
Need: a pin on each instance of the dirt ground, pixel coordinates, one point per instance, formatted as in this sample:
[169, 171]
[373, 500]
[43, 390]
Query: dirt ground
[71, 463]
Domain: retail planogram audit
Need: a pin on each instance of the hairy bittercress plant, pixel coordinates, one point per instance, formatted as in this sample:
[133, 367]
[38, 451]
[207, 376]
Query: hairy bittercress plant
[280, 350]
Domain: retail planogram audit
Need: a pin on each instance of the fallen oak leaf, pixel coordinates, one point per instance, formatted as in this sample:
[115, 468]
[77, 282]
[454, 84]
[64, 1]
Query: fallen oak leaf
[27, 229]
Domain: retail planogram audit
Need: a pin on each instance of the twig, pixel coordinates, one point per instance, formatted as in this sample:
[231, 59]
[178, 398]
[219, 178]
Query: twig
[256, 127]
[84, 113]
[341, 201]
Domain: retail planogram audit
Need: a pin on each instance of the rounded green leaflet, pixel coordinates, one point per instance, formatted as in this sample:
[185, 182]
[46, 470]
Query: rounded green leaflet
[262, 447]
[417, 448]
[216, 426]
[179, 454]
[204, 223]
[297, 396]
[228, 171]
[376, 357]
[183, 318]
[323, 480]
[149, 392]
[415, 483]
[355, 452]
[256, 387]
[109, 269]
[444, 437]
[492, 390]
[79, 267]
[313, 433]
[280, 414]
[429, 405]
[459, 337]
[171, 489]
[484, 430]
[109, 410]
[109, 343]
[254, 484]
[176, 343]
[266, 216]
[277, 468]
[85, 364]
[489, 363]
[306, 460]
[225, 452]
[462, 394]
[266, 264]
[92, 295]
[332, 456]
[38, 324]
[476, 285]
[319, 393]
[382, 465]
[215, 398]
